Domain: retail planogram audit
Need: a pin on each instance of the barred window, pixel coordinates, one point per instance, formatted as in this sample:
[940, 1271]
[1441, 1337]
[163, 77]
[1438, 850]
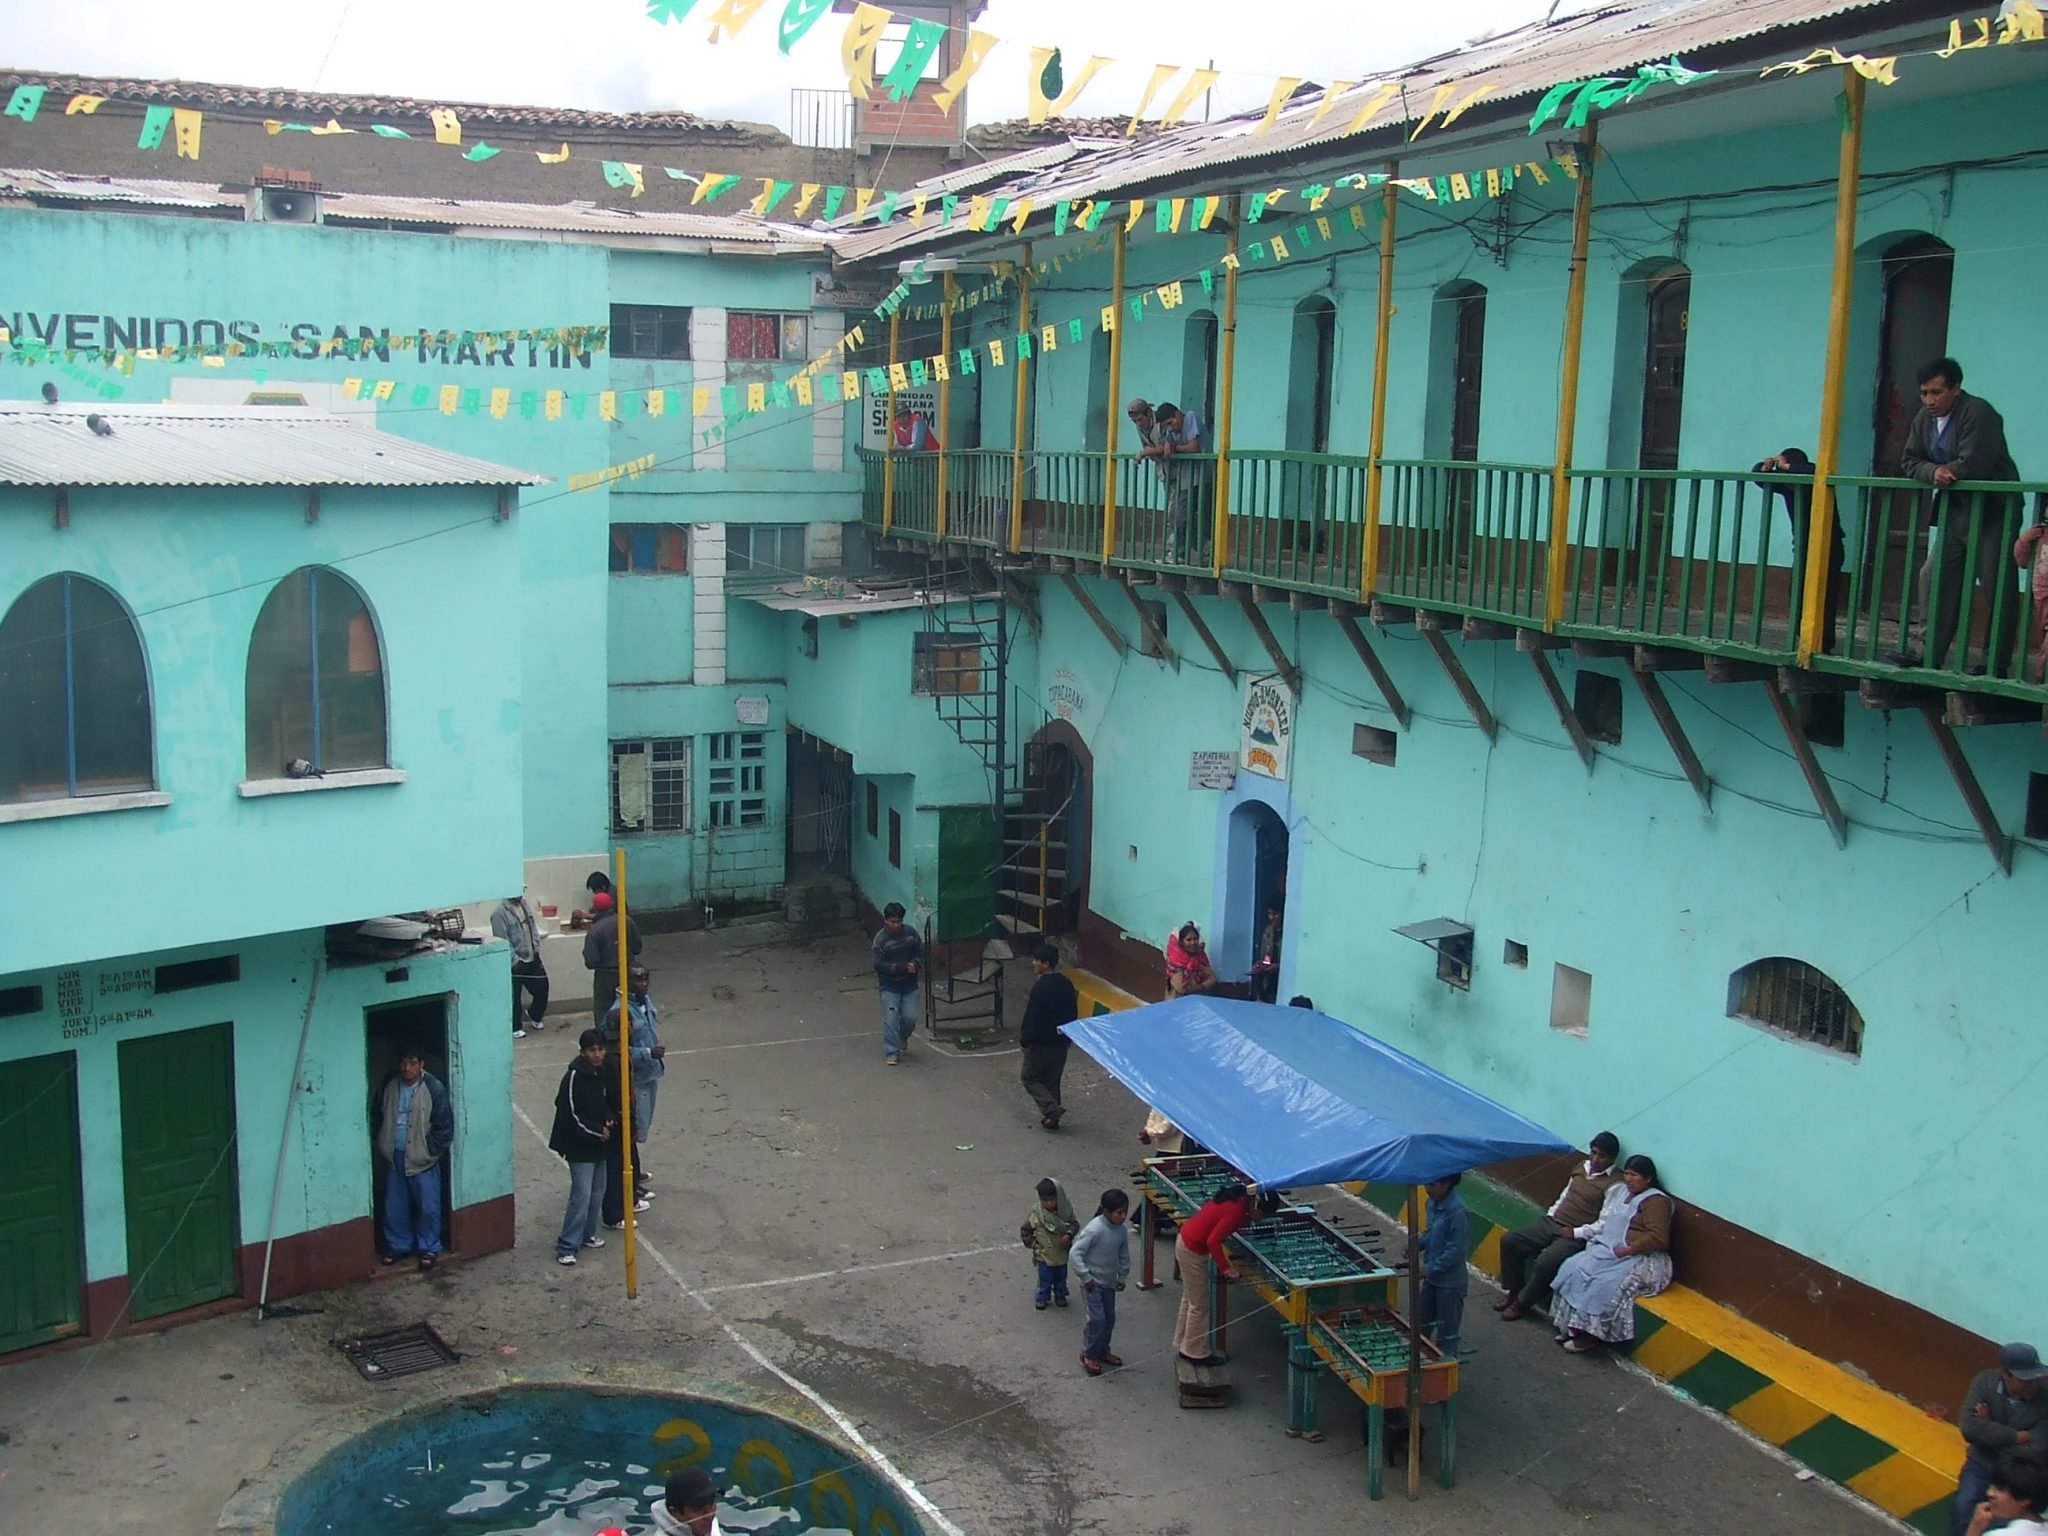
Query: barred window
[736, 793]
[650, 330]
[1793, 998]
[945, 662]
[651, 785]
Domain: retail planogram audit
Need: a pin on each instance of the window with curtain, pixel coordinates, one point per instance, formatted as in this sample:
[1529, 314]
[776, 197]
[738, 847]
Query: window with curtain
[74, 695]
[649, 549]
[315, 680]
[760, 347]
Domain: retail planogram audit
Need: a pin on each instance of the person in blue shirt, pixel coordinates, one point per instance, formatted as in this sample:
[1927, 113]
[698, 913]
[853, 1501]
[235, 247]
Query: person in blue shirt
[1100, 1259]
[415, 1126]
[1441, 1310]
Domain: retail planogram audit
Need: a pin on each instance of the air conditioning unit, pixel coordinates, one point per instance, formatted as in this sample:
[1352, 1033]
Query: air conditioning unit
[283, 205]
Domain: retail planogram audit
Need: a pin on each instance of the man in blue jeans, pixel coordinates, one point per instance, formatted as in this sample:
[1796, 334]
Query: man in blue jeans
[898, 955]
[415, 1128]
[583, 1129]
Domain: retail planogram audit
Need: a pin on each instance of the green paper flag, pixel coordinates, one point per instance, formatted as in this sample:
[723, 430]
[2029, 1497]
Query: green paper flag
[26, 101]
[1257, 211]
[386, 131]
[577, 403]
[777, 191]
[471, 399]
[918, 377]
[1077, 330]
[421, 393]
[798, 17]
[666, 11]
[155, 121]
[1162, 216]
[778, 396]
[529, 403]
[1060, 215]
[996, 214]
[616, 174]
[834, 197]
[947, 204]
[878, 381]
[1053, 79]
[729, 400]
[918, 46]
[1208, 281]
[967, 359]
[888, 208]
[480, 151]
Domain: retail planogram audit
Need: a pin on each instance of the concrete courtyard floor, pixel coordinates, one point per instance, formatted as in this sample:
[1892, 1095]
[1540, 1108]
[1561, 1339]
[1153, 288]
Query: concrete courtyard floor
[825, 1221]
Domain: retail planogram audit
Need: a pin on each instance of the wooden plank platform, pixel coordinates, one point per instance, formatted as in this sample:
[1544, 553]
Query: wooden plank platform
[1201, 1386]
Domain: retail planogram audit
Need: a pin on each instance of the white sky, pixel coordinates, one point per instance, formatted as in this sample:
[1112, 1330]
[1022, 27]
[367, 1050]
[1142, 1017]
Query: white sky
[606, 54]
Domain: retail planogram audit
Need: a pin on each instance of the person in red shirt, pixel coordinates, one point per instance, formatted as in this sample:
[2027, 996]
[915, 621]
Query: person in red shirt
[1199, 1247]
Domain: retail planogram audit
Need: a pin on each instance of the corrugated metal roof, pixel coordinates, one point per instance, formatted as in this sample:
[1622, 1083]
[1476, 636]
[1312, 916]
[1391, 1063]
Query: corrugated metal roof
[219, 446]
[1612, 38]
[581, 217]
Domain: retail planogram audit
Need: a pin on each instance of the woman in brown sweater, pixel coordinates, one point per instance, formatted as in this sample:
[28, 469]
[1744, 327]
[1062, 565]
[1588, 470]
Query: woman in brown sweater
[1629, 1257]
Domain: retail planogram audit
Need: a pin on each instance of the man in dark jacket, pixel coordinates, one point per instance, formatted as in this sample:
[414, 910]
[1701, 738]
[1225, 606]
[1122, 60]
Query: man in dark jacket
[601, 954]
[1053, 1002]
[1957, 437]
[583, 1129]
[1798, 500]
[2004, 1420]
[898, 957]
[415, 1128]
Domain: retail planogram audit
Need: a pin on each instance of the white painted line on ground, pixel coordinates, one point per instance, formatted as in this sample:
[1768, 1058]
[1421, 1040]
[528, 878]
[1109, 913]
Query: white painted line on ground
[854, 1269]
[839, 1420]
[755, 1045]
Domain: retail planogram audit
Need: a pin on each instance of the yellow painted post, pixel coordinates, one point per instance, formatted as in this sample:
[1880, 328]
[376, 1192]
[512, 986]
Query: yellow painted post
[625, 1130]
[1568, 385]
[1813, 635]
[1116, 400]
[1226, 376]
[945, 397]
[1369, 571]
[1023, 408]
[889, 432]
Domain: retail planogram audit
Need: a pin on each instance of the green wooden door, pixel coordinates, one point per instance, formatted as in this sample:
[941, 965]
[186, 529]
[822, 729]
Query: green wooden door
[967, 893]
[42, 1279]
[178, 1163]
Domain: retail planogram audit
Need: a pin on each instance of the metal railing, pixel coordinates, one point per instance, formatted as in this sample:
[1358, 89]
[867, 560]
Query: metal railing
[1463, 536]
[821, 119]
[1297, 519]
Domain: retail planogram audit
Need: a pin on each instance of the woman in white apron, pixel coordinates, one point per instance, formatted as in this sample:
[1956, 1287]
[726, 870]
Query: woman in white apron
[1628, 1257]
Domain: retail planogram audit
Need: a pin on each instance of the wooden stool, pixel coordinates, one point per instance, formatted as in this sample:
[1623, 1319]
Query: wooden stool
[1201, 1386]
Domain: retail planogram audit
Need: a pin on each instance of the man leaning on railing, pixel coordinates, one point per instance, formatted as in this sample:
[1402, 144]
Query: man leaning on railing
[1957, 437]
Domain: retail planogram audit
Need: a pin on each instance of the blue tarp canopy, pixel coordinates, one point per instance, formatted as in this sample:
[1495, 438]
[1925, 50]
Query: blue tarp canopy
[1291, 1097]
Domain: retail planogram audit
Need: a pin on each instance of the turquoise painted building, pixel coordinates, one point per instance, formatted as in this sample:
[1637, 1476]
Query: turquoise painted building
[237, 722]
[1753, 897]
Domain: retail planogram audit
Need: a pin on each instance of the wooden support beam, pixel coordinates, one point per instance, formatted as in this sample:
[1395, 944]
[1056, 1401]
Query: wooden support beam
[1109, 630]
[1153, 631]
[1600, 650]
[1020, 593]
[1435, 620]
[1384, 614]
[1382, 679]
[1307, 602]
[1463, 683]
[1965, 776]
[1802, 752]
[1566, 715]
[1530, 641]
[1240, 591]
[1261, 593]
[1167, 581]
[1270, 641]
[1968, 709]
[1674, 733]
[1721, 669]
[1208, 636]
[1487, 629]
[1806, 680]
[1198, 586]
[1346, 608]
[1883, 693]
[1664, 658]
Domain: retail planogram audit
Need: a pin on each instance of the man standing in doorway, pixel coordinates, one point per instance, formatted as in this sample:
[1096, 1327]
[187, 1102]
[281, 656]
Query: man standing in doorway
[644, 1048]
[1531, 1256]
[601, 954]
[1053, 1002]
[1957, 437]
[415, 1128]
[898, 955]
[514, 923]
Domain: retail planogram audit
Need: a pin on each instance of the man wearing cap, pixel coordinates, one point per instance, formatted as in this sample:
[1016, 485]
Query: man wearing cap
[688, 1506]
[2004, 1420]
[1531, 1256]
[601, 953]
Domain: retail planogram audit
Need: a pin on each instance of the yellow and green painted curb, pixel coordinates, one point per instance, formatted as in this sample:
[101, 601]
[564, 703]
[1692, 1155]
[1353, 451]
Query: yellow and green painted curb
[1878, 1446]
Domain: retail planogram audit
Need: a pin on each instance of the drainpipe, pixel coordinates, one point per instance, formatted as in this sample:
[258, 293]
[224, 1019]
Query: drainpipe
[284, 1140]
[945, 398]
[1820, 527]
[889, 431]
[1115, 409]
[1023, 406]
[1568, 386]
[1225, 393]
[1369, 576]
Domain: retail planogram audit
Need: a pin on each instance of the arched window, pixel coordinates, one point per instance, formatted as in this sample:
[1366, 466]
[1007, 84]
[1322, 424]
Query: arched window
[74, 695]
[316, 679]
[1793, 998]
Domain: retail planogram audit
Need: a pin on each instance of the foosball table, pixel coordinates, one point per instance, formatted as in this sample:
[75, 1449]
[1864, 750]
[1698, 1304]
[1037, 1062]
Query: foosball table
[1372, 1350]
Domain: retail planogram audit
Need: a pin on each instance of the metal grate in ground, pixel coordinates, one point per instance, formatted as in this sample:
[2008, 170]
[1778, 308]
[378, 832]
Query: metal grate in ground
[398, 1352]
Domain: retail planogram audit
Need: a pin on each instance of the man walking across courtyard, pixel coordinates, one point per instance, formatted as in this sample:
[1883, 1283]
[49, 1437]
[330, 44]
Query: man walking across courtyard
[898, 955]
[1053, 1002]
[514, 923]
[601, 954]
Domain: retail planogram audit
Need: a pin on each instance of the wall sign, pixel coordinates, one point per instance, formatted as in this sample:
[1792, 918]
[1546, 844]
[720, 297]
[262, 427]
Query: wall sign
[82, 999]
[1266, 728]
[751, 710]
[1065, 696]
[1212, 770]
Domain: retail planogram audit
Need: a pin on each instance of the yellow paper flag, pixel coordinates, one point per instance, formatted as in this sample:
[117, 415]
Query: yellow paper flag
[733, 15]
[1040, 107]
[1436, 105]
[657, 402]
[757, 397]
[1283, 88]
[1198, 82]
[351, 389]
[2021, 22]
[1161, 73]
[555, 159]
[1458, 111]
[1379, 98]
[862, 196]
[447, 126]
[185, 126]
[1136, 207]
[802, 386]
[849, 385]
[551, 405]
[451, 399]
[383, 389]
[978, 46]
[607, 404]
[1337, 88]
[857, 47]
[501, 402]
[809, 194]
[89, 104]
[700, 400]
